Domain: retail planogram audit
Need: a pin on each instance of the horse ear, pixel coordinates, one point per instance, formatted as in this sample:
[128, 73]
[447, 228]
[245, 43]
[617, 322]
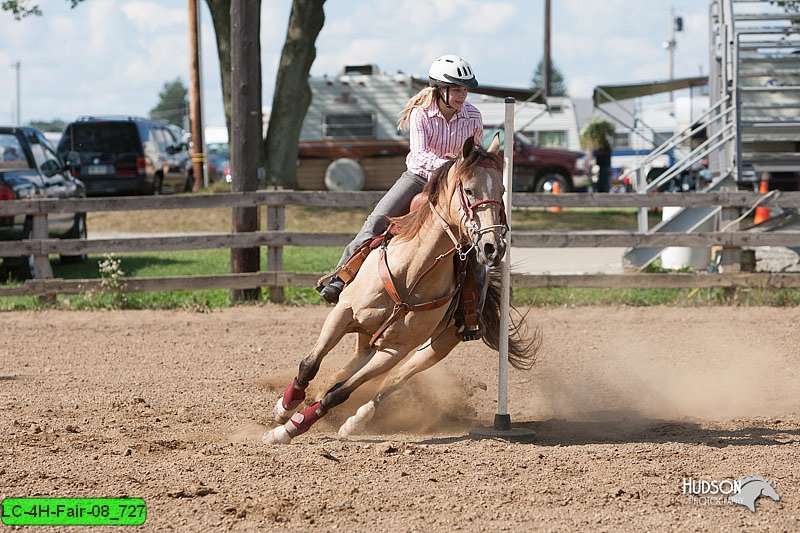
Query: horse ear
[494, 148]
[469, 145]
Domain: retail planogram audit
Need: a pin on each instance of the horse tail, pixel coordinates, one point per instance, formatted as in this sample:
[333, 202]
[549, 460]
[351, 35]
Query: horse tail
[523, 348]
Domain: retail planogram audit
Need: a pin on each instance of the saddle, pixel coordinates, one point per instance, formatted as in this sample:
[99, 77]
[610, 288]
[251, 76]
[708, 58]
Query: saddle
[467, 303]
[347, 272]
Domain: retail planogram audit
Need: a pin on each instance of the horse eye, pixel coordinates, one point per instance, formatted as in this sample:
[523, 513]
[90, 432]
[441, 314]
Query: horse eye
[468, 192]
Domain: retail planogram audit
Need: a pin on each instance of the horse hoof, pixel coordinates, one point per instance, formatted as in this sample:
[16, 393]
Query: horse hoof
[356, 424]
[281, 415]
[278, 435]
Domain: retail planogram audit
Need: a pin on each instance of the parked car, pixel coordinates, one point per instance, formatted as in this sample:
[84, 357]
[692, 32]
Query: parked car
[219, 162]
[127, 155]
[30, 168]
[537, 169]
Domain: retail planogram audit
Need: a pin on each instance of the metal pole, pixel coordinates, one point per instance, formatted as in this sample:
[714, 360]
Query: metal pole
[18, 66]
[672, 44]
[547, 67]
[502, 420]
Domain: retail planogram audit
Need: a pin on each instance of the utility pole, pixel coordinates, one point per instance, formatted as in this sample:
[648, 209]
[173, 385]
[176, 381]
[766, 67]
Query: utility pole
[18, 66]
[548, 70]
[676, 25]
[195, 108]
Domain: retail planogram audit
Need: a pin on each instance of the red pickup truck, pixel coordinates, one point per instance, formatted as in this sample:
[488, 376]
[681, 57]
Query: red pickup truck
[538, 169]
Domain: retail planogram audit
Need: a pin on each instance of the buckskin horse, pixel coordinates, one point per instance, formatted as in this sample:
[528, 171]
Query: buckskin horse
[403, 295]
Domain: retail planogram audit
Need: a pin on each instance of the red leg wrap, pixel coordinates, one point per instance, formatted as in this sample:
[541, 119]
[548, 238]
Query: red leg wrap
[293, 395]
[303, 420]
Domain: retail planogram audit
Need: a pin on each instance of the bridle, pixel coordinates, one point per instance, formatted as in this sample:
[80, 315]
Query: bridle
[475, 232]
[461, 247]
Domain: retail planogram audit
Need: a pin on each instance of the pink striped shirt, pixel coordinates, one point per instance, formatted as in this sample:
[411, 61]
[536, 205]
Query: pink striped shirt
[431, 136]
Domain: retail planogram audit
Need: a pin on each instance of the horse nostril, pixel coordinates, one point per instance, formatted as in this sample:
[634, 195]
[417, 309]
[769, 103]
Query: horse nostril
[488, 249]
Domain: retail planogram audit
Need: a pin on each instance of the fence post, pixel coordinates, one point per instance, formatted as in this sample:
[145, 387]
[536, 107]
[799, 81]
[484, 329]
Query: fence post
[276, 221]
[41, 262]
[731, 260]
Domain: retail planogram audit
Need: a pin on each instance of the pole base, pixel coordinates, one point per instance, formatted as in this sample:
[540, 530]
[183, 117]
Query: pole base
[502, 422]
[502, 430]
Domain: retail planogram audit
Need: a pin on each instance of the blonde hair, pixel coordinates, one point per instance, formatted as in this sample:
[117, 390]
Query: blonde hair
[421, 99]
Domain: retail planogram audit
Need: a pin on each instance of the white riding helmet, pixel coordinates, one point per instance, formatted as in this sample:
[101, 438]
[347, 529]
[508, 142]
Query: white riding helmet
[451, 70]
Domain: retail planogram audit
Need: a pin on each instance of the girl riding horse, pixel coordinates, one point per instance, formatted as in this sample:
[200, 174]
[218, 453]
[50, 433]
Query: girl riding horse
[439, 119]
[401, 296]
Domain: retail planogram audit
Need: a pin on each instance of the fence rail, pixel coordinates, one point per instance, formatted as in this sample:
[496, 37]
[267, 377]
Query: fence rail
[276, 237]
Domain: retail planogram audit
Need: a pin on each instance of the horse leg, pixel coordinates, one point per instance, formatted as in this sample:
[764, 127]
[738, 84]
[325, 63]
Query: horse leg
[334, 328]
[421, 360]
[382, 361]
[362, 353]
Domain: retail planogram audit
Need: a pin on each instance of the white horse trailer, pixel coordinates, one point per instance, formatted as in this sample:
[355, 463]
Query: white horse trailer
[349, 138]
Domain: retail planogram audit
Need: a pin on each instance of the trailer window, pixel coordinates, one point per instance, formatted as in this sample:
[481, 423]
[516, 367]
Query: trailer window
[350, 126]
[556, 139]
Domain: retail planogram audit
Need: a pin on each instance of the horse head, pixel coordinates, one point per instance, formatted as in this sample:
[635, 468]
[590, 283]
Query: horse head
[476, 194]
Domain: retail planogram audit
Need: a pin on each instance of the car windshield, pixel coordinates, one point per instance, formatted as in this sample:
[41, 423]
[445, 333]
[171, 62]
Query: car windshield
[108, 137]
[218, 149]
[12, 156]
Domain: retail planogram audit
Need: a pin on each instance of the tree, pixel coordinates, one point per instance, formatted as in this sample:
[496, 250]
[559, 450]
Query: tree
[598, 136]
[557, 87]
[48, 125]
[24, 8]
[292, 94]
[172, 105]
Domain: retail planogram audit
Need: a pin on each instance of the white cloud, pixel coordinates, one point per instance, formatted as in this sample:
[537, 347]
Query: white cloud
[149, 16]
[113, 56]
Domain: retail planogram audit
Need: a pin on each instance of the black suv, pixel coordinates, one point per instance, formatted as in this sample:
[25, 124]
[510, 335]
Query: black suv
[30, 168]
[126, 155]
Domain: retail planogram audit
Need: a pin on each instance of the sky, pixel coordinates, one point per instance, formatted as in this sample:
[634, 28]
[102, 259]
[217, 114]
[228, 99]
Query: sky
[114, 56]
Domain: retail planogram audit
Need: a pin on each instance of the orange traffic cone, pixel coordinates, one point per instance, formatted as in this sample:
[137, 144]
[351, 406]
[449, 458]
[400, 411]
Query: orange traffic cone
[762, 213]
[556, 190]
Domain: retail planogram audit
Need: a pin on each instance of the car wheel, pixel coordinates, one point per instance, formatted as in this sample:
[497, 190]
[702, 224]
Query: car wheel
[78, 231]
[189, 185]
[20, 268]
[547, 181]
[158, 184]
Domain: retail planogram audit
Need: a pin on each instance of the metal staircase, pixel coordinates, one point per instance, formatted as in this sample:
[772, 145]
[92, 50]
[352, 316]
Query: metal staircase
[753, 123]
[767, 78]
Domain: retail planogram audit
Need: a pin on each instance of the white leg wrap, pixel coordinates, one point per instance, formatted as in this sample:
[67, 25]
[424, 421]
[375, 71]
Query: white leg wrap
[278, 435]
[356, 424]
[279, 414]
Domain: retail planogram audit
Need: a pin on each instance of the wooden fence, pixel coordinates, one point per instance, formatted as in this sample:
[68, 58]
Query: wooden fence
[275, 237]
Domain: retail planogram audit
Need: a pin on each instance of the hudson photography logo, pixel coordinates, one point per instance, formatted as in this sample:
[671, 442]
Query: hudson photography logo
[743, 491]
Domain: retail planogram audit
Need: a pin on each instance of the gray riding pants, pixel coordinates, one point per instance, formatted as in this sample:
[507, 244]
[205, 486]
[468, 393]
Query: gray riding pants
[395, 202]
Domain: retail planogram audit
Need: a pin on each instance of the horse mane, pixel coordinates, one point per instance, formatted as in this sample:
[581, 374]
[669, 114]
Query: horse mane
[406, 226]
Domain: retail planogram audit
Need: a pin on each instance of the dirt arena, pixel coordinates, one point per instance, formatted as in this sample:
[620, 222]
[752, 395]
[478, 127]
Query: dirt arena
[626, 402]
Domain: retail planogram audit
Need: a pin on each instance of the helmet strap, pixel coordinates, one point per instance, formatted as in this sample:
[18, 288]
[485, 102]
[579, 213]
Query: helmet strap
[447, 98]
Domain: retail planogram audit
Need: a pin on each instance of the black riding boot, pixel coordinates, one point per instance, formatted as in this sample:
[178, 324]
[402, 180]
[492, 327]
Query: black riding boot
[330, 292]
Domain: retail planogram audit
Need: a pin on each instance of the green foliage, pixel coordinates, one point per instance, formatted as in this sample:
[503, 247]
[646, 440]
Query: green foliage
[557, 86]
[48, 125]
[172, 103]
[597, 135]
[791, 6]
[24, 8]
